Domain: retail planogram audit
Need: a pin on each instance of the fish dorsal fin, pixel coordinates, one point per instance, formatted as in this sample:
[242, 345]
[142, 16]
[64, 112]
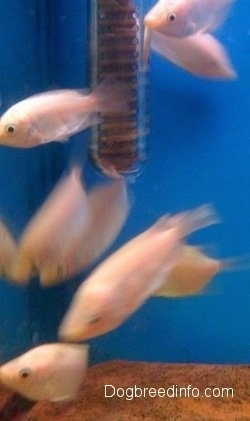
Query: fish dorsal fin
[162, 224]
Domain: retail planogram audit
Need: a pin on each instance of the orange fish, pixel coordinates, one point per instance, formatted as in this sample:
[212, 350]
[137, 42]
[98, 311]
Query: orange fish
[108, 209]
[63, 215]
[57, 115]
[126, 279]
[181, 18]
[52, 372]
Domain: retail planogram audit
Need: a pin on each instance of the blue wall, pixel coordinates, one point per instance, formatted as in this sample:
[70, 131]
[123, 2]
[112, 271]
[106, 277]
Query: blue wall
[199, 152]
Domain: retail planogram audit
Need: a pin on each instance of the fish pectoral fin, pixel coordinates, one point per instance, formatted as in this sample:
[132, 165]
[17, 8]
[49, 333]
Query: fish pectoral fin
[202, 30]
[87, 121]
[193, 27]
[47, 130]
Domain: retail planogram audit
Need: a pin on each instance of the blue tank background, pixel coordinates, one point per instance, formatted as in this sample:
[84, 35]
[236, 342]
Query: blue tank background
[199, 152]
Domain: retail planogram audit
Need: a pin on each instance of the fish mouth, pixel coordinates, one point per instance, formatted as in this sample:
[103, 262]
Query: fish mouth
[150, 21]
[153, 21]
[69, 331]
[5, 376]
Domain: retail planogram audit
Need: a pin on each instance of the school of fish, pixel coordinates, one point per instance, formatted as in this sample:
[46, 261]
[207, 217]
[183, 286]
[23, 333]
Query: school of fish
[75, 226]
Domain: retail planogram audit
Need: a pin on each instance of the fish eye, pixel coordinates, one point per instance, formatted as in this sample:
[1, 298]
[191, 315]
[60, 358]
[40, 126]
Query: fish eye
[25, 373]
[171, 17]
[10, 128]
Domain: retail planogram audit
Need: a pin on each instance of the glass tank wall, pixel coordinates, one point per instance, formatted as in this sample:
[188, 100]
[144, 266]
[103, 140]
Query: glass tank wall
[197, 152]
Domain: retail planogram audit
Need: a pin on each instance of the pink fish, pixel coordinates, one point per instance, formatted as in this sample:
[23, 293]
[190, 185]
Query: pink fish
[57, 115]
[108, 209]
[63, 215]
[181, 18]
[200, 54]
[126, 279]
[52, 372]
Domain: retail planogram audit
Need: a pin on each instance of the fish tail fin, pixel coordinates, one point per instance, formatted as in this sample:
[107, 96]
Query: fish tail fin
[236, 264]
[95, 119]
[112, 96]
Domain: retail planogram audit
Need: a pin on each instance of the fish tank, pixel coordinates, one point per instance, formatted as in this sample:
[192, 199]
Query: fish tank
[177, 140]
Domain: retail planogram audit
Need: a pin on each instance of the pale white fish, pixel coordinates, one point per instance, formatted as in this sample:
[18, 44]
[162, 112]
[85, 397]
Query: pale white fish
[200, 54]
[52, 372]
[195, 270]
[124, 281]
[181, 18]
[63, 215]
[57, 115]
[8, 250]
[109, 206]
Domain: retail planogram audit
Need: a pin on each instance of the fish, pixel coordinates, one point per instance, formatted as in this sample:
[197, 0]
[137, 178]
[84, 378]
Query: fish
[63, 215]
[58, 114]
[109, 206]
[201, 55]
[127, 278]
[8, 250]
[52, 372]
[182, 18]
